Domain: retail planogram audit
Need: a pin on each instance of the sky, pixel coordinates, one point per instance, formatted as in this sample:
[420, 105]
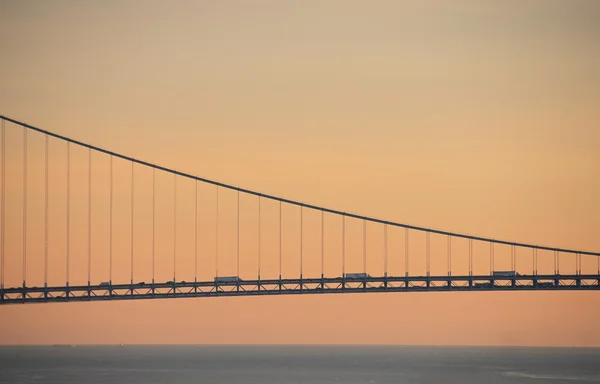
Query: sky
[474, 117]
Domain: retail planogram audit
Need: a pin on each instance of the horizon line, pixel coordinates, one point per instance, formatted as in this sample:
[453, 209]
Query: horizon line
[74, 345]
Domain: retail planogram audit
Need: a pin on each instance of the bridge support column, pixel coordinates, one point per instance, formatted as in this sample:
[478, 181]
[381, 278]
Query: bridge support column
[45, 292]
[195, 285]
[89, 291]
[258, 283]
[152, 287]
[301, 284]
[279, 283]
[67, 290]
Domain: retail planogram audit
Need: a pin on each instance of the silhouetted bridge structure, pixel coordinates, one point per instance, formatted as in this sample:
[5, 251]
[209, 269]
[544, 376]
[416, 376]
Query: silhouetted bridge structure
[28, 246]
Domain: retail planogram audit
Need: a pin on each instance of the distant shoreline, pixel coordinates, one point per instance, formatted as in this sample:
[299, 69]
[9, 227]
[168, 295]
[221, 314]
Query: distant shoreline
[305, 345]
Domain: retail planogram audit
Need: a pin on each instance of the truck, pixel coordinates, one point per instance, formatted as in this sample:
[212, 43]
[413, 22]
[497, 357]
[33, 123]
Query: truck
[357, 276]
[227, 279]
[505, 274]
[545, 284]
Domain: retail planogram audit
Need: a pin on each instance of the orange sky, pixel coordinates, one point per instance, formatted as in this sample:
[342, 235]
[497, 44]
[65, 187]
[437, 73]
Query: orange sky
[472, 118]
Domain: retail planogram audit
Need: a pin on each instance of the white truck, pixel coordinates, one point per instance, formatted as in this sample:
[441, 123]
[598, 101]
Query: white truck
[357, 276]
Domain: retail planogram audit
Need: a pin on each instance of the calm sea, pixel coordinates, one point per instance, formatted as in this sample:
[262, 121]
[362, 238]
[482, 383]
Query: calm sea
[297, 364]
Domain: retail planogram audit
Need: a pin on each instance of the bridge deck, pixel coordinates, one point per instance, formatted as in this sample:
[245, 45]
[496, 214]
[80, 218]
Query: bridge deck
[298, 286]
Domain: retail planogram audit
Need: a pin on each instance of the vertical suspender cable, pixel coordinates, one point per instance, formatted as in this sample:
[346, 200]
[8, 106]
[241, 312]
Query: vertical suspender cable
[280, 243]
[301, 250]
[534, 268]
[558, 262]
[217, 235]
[427, 260]
[385, 251]
[195, 231]
[536, 261]
[343, 246]
[259, 239]
[110, 220]
[3, 189]
[68, 208]
[89, 216]
[512, 257]
[46, 205]
[322, 244]
[426, 253]
[491, 259]
[132, 201]
[174, 228]
[238, 236]
[153, 220]
[364, 246]
[449, 251]
[406, 252]
[24, 206]
[470, 257]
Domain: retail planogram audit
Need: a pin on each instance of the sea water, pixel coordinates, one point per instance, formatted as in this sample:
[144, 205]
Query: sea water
[297, 364]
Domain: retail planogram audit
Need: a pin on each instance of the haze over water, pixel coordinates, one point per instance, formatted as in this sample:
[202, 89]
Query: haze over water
[297, 364]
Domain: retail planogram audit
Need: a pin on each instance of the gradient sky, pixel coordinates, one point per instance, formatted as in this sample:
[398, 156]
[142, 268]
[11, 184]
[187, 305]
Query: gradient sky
[475, 117]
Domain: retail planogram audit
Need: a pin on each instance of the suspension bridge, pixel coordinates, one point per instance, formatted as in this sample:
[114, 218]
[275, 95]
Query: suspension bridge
[82, 223]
